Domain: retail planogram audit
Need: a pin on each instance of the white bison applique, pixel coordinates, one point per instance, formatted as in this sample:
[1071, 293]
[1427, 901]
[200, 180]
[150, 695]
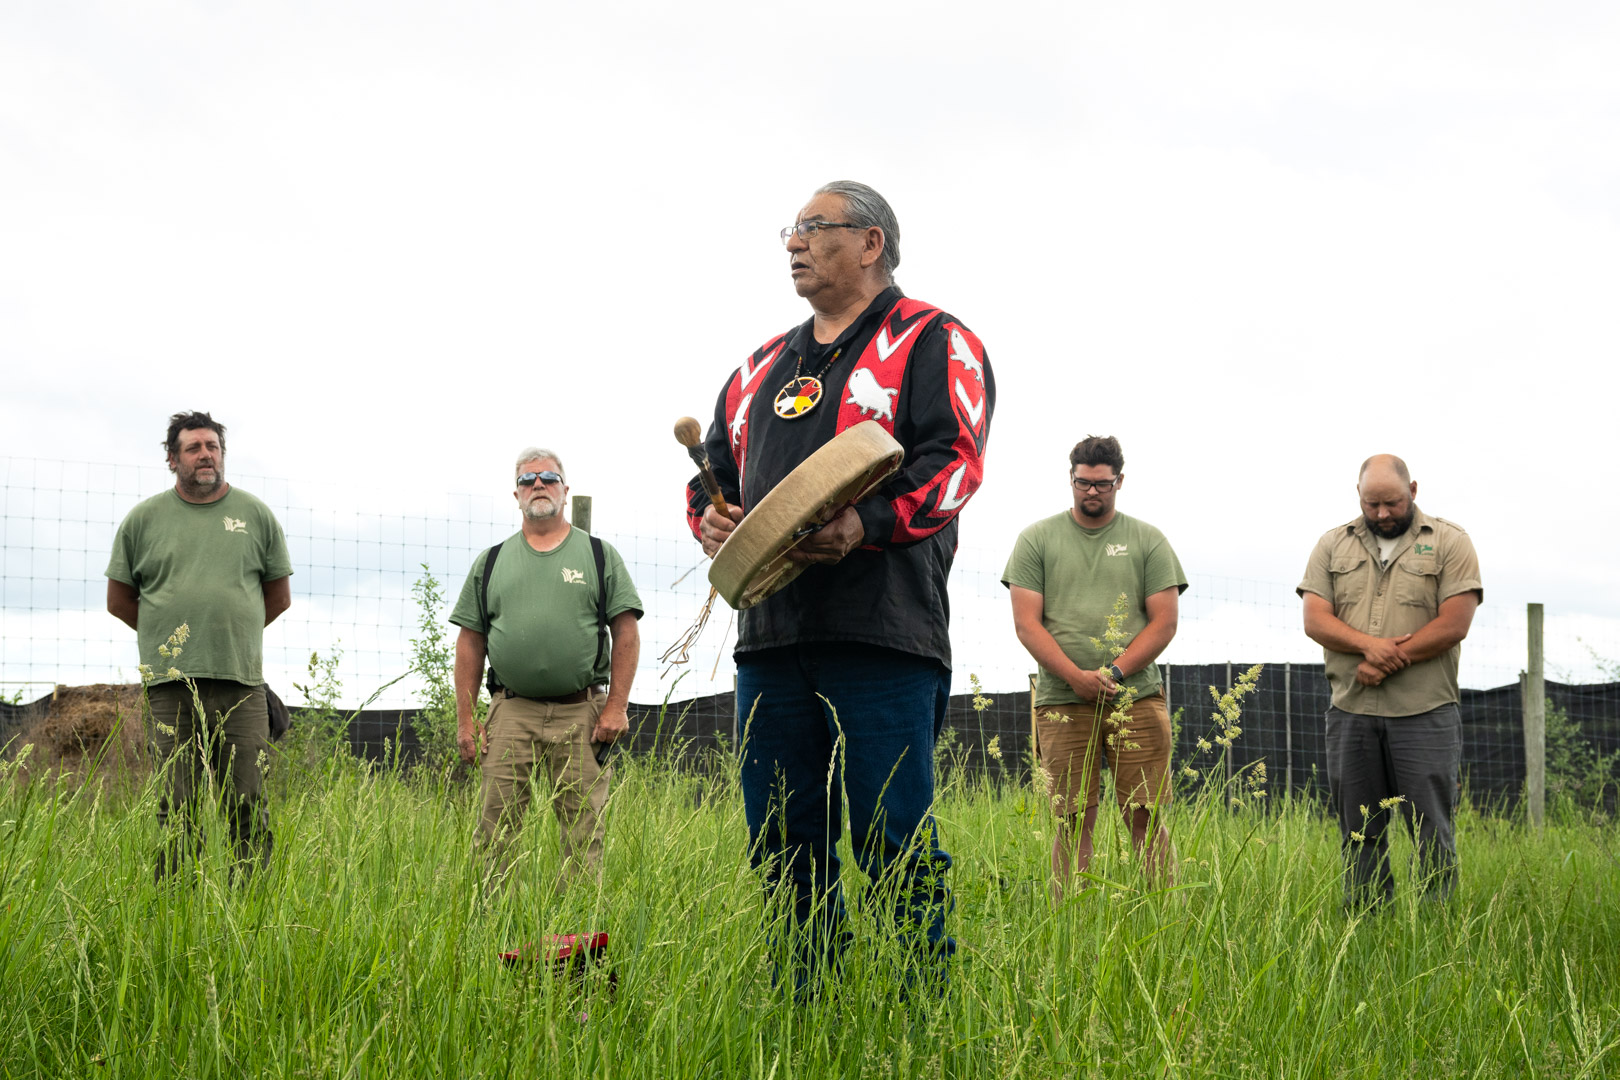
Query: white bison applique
[962, 353]
[866, 395]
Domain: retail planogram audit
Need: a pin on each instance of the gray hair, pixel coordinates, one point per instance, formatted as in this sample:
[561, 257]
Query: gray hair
[866, 208]
[535, 453]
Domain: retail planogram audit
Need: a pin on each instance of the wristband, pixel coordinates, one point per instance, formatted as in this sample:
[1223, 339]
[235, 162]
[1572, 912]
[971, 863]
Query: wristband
[1119, 676]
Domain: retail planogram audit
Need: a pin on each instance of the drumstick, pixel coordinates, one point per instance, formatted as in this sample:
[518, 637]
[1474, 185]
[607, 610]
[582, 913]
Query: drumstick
[690, 435]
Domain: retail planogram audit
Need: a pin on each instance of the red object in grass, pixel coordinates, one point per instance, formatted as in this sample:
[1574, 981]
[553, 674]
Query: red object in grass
[561, 949]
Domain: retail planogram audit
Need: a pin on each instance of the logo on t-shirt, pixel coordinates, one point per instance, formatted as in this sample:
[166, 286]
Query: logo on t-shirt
[573, 577]
[1422, 549]
[235, 524]
[1116, 549]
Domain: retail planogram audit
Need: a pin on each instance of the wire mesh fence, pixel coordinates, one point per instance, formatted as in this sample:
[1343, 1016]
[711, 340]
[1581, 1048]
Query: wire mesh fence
[355, 569]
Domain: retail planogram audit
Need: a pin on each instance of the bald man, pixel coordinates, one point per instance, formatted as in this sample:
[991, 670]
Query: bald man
[1390, 597]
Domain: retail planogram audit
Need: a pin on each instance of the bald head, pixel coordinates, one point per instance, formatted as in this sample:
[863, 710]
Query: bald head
[1387, 495]
[1387, 464]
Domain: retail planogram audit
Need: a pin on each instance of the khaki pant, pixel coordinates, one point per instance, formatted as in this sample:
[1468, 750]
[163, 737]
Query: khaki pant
[522, 738]
[227, 742]
[1073, 742]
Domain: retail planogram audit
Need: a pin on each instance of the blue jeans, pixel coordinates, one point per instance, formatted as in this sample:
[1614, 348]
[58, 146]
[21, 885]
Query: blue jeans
[887, 707]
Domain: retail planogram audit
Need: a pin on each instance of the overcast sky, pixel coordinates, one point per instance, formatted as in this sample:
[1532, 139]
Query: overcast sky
[391, 243]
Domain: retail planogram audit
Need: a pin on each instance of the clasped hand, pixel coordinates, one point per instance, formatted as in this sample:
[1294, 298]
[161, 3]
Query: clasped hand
[1381, 659]
[1093, 685]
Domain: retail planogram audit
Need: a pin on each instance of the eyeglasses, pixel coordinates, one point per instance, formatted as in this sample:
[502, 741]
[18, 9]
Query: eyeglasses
[545, 476]
[807, 229]
[1102, 487]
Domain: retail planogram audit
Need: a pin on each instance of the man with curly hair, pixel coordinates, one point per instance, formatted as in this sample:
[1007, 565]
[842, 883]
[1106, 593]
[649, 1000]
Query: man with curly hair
[198, 572]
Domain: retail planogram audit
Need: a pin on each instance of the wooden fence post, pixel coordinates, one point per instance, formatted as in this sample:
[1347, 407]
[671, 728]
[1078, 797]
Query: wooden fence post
[580, 512]
[1535, 721]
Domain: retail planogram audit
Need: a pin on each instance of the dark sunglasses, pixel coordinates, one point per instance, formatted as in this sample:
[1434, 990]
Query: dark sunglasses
[545, 476]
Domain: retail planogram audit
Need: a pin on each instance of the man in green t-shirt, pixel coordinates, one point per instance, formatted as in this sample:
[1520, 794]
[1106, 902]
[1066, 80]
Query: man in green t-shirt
[1094, 599]
[198, 572]
[558, 694]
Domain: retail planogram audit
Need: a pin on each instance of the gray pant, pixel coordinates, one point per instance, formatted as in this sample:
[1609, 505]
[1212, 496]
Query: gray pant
[1371, 762]
[229, 742]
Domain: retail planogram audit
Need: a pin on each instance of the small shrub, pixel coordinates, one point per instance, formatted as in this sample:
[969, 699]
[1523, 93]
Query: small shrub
[319, 736]
[1575, 770]
[432, 658]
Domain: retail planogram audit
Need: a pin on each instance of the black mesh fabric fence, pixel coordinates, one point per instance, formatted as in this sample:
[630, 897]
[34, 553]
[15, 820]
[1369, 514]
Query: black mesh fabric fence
[1281, 720]
[1283, 725]
[992, 740]
[17, 717]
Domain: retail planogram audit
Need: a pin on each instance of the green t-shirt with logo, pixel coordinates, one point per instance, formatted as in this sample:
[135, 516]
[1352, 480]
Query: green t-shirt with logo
[202, 565]
[541, 622]
[1080, 573]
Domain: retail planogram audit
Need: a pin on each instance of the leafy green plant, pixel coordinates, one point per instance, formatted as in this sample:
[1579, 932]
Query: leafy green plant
[433, 661]
[1574, 769]
[323, 689]
[318, 740]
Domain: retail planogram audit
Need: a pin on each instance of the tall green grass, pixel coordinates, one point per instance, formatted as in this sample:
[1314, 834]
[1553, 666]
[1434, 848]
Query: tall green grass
[366, 950]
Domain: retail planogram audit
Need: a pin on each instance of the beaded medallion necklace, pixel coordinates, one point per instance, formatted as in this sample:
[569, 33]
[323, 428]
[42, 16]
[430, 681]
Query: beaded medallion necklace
[802, 393]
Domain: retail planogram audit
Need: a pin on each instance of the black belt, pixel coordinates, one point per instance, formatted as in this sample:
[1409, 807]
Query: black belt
[564, 699]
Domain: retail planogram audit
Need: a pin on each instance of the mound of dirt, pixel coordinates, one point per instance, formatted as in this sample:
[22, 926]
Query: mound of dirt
[81, 722]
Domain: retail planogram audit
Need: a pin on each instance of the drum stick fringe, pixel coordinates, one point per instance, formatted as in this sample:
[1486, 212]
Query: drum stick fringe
[690, 435]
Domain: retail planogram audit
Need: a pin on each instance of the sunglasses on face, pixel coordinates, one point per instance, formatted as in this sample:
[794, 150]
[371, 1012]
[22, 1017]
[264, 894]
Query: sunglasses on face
[545, 476]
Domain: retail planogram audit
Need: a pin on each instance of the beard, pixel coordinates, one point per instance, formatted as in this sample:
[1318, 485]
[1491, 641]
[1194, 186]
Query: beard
[541, 508]
[193, 486]
[1394, 526]
[1088, 512]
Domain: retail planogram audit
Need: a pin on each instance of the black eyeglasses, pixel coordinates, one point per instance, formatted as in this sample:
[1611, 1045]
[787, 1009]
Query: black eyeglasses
[1100, 486]
[807, 229]
[545, 476]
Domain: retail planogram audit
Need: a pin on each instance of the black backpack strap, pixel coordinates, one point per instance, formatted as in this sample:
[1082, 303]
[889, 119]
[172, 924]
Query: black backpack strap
[601, 600]
[492, 682]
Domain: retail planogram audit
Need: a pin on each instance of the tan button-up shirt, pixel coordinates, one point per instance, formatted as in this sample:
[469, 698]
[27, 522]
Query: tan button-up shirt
[1434, 561]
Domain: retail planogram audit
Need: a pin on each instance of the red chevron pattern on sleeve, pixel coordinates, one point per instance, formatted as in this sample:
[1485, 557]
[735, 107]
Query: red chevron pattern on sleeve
[952, 398]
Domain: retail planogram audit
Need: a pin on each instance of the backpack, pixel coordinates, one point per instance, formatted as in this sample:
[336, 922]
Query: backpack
[493, 682]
